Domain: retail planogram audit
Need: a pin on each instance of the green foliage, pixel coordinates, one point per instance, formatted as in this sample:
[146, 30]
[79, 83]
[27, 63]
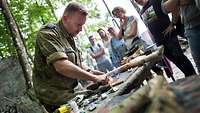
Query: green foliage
[5, 40]
[30, 15]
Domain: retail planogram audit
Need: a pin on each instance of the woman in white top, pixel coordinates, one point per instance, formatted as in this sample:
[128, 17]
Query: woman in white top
[128, 28]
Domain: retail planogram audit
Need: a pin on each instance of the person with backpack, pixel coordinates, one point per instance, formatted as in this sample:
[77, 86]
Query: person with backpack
[98, 53]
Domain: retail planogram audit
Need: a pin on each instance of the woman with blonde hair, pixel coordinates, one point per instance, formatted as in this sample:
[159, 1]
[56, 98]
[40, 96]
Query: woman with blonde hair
[128, 28]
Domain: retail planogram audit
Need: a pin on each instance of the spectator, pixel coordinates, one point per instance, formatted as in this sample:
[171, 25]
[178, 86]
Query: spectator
[157, 22]
[190, 12]
[98, 53]
[117, 46]
[128, 28]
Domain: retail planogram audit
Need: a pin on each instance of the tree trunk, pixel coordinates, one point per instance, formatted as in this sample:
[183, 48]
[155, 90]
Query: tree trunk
[113, 19]
[17, 40]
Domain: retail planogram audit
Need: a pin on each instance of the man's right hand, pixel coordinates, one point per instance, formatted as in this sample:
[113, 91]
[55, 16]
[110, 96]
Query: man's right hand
[104, 79]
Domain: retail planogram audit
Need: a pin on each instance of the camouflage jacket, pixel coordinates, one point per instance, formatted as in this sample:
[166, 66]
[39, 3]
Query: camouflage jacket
[53, 43]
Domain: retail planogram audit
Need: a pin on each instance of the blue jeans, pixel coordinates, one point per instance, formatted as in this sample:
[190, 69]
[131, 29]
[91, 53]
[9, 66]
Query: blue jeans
[193, 36]
[105, 66]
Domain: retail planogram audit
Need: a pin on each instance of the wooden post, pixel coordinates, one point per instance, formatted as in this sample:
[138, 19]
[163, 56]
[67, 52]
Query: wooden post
[17, 40]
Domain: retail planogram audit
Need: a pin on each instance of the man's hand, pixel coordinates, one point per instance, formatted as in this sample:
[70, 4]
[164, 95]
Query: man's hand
[168, 30]
[104, 79]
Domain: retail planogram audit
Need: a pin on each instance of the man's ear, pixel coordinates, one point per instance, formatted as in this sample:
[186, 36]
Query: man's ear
[65, 17]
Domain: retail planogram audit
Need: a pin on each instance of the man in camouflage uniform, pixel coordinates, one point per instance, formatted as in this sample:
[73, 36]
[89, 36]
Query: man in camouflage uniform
[57, 63]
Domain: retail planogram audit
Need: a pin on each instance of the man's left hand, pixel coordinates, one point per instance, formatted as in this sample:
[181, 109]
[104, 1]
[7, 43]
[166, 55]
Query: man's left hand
[168, 30]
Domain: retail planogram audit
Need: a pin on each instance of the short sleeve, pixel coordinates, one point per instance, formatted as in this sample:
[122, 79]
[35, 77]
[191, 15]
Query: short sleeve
[50, 46]
[132, 18]
[135, 18]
